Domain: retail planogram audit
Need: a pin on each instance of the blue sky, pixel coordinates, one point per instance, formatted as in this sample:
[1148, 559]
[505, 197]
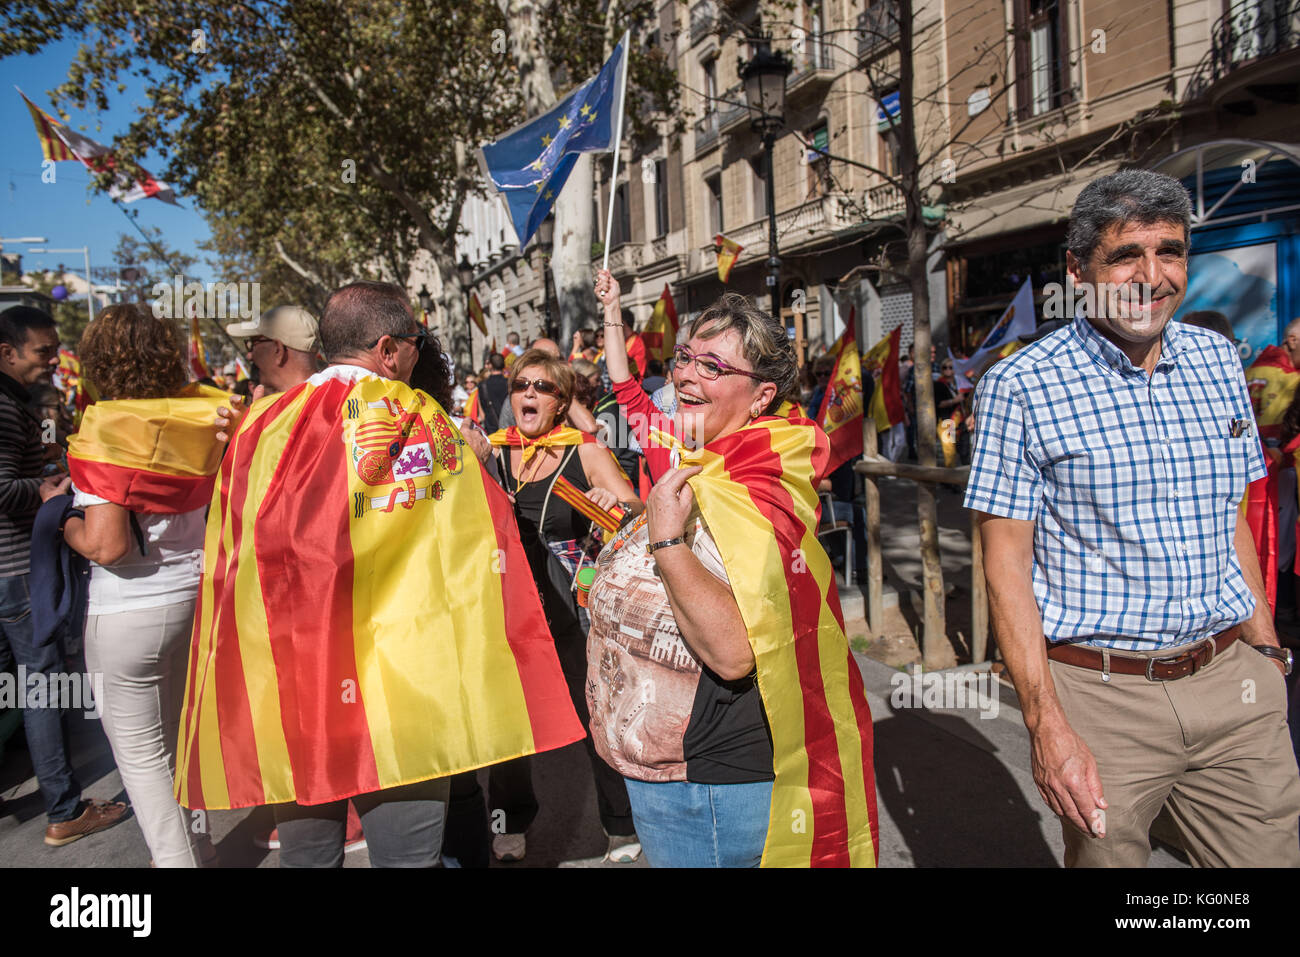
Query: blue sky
[66, 212]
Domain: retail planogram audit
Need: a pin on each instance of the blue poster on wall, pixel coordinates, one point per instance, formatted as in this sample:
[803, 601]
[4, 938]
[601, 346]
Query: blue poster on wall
[1241, 283]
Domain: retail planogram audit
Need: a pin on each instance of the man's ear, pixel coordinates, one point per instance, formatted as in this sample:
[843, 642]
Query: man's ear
[1074, 267]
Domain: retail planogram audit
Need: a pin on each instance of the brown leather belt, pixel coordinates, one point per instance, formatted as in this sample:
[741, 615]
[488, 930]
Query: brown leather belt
[1153, 669]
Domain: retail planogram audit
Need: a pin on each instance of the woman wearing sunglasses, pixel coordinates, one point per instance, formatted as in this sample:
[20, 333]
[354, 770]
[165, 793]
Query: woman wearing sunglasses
[719, 678]
[545, 464]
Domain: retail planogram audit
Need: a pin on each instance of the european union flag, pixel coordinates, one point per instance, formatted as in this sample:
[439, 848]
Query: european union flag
[529, 165]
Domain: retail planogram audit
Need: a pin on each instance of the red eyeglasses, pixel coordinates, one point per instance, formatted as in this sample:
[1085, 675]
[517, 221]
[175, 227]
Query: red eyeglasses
[708, 365]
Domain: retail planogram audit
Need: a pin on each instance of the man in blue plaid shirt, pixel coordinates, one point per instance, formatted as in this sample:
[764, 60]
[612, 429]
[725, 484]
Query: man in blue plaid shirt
[1110, 460]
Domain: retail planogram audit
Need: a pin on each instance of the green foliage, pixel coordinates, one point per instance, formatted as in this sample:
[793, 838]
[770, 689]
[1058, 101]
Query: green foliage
[70, 317]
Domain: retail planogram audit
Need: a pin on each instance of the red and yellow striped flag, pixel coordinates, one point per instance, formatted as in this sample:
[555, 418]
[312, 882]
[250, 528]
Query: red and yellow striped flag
[757, 497]
[52, 145]
[578, 501]
[881, 361]
[150, 455]
[840, 415]
[728, 253]
[473, 409]
[366, 617]
[660, 334]
[197, 358]
[476, 313]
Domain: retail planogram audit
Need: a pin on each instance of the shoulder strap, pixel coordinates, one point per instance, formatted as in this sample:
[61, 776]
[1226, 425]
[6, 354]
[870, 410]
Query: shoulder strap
[541, 524]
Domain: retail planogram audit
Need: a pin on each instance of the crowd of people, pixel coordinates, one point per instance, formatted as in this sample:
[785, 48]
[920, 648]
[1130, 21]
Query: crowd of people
[348, 593]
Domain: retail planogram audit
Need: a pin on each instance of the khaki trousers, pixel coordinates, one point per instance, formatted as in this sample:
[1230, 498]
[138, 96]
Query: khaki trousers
[1214, 747]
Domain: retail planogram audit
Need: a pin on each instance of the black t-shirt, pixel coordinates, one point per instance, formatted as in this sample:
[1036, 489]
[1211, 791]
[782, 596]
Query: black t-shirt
[727, 740]
[496, 392]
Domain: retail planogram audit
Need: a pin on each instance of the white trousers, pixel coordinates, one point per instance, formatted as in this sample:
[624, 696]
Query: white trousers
[143, 656]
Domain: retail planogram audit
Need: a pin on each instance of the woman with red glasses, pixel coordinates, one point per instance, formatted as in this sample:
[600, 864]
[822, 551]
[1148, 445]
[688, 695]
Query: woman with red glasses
[561, 480]
[719, 679]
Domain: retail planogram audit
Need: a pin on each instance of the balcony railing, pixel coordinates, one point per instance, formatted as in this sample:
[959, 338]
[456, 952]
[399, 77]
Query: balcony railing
[794, 226]
[813, 68]
[1250, 31]
[623, 259]
[884, 201]
[703, 17]
[728, 110]
[877, 27]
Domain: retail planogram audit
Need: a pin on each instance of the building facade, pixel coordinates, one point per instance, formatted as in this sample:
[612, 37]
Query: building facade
[1017, 104]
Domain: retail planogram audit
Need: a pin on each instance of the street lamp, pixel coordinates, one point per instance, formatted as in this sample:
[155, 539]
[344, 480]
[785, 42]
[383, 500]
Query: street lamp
[764, 78]
[545, 242]
[465, 273]
[426, 299]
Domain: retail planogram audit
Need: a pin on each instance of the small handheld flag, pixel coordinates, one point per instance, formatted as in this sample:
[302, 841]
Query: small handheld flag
[197, 360]
[840, 415]
[728, 253]
[1016, 321]
[660, 335]
[476, 313]
[882, 362]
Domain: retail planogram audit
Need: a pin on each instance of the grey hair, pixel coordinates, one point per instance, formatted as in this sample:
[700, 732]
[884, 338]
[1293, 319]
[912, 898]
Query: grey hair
[1136, 196]
[359, 314]
[763, 342]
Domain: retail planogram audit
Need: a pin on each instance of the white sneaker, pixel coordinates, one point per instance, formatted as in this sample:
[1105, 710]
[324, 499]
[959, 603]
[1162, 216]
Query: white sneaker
[623, 850]
[509, 847]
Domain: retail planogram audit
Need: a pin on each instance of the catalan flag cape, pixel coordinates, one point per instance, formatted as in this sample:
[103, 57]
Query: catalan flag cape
[366, 617]
[150, 455]
[840, 415]
[1271, 380]
[881, 361]
[728, 252]
[757, 497]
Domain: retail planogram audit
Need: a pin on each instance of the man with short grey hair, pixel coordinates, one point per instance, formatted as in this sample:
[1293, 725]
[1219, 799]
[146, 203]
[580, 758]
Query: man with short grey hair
[1126, 596]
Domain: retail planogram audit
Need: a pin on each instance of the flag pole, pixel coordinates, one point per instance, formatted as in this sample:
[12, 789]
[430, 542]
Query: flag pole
[618, 141]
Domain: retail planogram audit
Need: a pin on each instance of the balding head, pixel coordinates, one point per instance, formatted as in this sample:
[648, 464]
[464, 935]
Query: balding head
[1291, 341]
[546, 345]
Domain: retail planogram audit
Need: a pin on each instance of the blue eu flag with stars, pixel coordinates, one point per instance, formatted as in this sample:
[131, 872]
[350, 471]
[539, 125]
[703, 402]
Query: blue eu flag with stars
[529, 165]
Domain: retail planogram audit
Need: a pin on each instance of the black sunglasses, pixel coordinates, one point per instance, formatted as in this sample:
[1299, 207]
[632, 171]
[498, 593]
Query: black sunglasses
[419, 339]
[541, 385]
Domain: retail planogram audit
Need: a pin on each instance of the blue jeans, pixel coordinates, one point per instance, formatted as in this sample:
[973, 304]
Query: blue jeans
[47, 731]
[682, 824]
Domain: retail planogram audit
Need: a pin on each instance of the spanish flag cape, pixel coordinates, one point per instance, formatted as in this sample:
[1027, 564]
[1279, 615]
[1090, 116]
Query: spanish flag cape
[757, 497]
[366, 617]
[150, 455]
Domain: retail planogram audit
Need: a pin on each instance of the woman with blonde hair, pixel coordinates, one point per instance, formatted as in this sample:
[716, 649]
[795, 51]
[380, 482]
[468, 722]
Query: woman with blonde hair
[563, 482]
[143, 466]
[720, 683]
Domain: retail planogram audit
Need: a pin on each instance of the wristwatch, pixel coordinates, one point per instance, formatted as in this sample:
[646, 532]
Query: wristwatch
[1281, 654]
[655, 546]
